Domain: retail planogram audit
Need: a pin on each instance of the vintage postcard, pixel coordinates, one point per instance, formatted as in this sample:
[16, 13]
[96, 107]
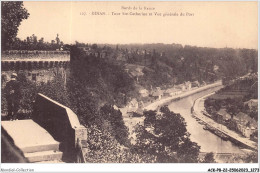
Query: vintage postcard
[116, 82]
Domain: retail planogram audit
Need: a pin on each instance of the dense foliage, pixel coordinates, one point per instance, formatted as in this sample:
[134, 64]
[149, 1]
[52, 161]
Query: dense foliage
[107, 81]
[190, 62]
[12, 14]
[94, 85]
[107, 133]
[209, 158]
[118, 129]
[165, 136]
[233, 103]
[103, 148]
[33, 43]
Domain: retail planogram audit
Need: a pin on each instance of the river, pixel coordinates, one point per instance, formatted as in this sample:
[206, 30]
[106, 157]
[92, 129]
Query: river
[208, 141]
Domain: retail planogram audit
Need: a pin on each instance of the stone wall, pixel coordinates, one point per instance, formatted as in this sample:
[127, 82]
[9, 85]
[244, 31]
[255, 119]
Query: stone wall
[38, 66]
[61, 122]
[37, 75]
[15, 55]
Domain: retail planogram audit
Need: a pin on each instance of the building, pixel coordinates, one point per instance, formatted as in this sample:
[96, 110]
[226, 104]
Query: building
[135, 108]
[172, 92]
[132, 105]
[215, 68]
[181, 87]
[167, 93]
[134, 71]
[157, 95]
[223, 116]
[187, 85]
[195, 84]
[144, 92]
[245, 124]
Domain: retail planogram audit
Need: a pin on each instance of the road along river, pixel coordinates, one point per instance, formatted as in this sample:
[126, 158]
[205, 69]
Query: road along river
[208, 141]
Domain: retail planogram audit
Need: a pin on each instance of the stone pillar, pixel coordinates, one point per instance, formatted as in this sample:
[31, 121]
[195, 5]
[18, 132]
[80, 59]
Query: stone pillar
[81, 134]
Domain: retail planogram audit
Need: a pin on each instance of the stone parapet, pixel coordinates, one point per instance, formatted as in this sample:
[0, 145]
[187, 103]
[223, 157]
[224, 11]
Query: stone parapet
[34, 54]
[61, 122]
[27, 60]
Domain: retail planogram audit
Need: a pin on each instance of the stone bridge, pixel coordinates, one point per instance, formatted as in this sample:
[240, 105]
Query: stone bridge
[53, 135]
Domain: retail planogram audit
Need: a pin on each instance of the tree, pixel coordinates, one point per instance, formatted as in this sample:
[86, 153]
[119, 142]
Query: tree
[251, 158]
[247, 158]
[165, 136]
[52, 42]
[94, 46]
[209, 158]
[150, 118]
[13, 13]
[119, 130]
[103, 148]
[41, 44]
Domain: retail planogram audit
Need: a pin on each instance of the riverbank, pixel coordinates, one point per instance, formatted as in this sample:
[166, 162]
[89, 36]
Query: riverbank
[217, 128]
[131, 122]
[156, 104]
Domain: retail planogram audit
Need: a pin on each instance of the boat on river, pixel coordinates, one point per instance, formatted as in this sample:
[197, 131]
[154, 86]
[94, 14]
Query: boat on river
[216, 132]
[221, 135]
[205, 127]
[206, 114]
[201, 122]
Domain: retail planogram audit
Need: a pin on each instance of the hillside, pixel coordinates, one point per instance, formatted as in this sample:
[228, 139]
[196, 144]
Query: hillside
[175, 64]
[102, 78]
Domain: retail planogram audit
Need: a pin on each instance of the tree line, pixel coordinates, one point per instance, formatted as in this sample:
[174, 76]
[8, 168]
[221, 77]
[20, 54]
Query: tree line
[33, 43]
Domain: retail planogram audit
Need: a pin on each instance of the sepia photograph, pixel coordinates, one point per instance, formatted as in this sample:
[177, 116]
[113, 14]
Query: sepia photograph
[127, 82]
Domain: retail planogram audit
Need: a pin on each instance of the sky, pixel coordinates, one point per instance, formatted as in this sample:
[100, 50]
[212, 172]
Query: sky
[209, 24]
